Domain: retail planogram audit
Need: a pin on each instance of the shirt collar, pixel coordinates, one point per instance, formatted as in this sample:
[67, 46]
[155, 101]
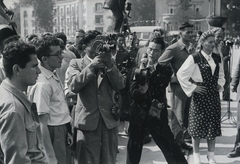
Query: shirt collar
[47, 73]
[17, 93]
[206, 55]
[182, 46]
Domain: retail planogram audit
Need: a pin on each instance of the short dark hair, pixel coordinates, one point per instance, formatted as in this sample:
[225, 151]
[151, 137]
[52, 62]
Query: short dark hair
[81, 31]
[43, 45]
[16, 52]
[89, 36]
[185, 25]
[62, 36]
[158, 40]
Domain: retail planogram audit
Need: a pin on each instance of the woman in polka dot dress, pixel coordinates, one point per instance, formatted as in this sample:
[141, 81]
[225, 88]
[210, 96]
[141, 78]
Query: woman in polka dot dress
[201, 76]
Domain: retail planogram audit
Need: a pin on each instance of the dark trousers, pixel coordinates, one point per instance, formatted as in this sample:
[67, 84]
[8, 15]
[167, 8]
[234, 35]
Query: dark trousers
[118, 15]
[226, 92]
[162, 136]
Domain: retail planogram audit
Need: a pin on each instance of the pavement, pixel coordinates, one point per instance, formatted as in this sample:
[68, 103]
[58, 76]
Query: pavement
[151, 154]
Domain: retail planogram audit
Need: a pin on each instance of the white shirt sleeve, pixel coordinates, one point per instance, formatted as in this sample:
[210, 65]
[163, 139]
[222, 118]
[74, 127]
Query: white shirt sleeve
[185, 72]
[221, 78]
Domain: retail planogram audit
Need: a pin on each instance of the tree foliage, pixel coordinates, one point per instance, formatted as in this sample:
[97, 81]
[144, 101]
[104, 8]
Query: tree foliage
[143, 10]
[184, 11]
[230, 9]
[44, 14]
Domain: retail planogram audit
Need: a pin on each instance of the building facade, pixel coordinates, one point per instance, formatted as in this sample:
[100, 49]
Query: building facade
[166, 9]
[69, 16]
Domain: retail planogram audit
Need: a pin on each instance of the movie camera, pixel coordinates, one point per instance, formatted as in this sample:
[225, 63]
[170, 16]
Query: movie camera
[104, 43]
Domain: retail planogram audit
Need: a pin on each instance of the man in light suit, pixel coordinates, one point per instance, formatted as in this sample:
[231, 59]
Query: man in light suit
[97, 128]
[175, 55]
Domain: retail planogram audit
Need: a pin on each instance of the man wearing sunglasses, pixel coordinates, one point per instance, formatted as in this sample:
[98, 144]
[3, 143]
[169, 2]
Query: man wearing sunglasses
[48, 94]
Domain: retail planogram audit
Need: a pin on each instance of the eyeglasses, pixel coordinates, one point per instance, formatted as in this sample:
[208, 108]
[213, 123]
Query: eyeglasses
[59, 54]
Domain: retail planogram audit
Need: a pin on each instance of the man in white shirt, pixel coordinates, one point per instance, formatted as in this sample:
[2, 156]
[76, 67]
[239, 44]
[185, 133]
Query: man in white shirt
[48, 94]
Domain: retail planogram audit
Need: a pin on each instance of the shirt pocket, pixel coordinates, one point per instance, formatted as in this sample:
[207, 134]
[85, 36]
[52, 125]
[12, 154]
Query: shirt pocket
[31, 132]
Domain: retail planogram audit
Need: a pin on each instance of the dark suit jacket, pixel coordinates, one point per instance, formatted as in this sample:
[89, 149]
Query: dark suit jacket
[113, 4]
[94, 94]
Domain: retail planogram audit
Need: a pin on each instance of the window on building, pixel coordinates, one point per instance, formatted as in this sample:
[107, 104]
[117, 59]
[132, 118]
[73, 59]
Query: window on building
[33, 23]
[55, 30]
[73, 11]
[25, 32]
[100, 29]
[99, 19]
[98, 7]
[197, 26]
[55, 22]
[33, 13]
[62, 13]
[61, 21]
[68, 12]
[197, 7]
[171, 9]
[25, 23]
[24, 13]
[68, 22]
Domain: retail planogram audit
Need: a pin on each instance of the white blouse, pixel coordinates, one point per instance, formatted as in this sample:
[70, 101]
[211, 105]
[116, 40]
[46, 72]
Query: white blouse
[190, 69]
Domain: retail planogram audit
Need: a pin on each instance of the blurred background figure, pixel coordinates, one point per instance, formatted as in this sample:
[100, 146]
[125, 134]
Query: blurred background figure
[7, 14]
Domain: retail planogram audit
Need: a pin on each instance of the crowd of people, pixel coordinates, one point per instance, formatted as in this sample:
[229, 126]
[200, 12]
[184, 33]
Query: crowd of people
[62, 103]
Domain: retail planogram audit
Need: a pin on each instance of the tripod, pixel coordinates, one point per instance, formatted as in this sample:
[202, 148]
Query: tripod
[229, 114]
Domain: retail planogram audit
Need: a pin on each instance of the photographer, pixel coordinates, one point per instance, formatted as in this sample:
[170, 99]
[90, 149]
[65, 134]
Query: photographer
[5, 13]
[148, 108]
[118, 9]
[94, 78]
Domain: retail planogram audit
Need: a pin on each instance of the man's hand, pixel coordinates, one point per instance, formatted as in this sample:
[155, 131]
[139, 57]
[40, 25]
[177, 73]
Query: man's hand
[233, 89]
[12, 23]
[69, 140]
[97, 63]
[107, 59]
[143, 88]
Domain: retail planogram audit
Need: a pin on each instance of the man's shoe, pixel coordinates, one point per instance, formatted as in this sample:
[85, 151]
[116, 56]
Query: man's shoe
[233, 154]
[187, 147]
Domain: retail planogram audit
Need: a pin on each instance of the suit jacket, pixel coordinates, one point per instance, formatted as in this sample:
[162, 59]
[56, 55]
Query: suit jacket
[115, 4]
[235, 79]
[94, 94]
[175, 55]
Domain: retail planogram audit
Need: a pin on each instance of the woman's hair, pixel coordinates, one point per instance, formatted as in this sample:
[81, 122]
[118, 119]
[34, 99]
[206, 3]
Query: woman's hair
[204, 36]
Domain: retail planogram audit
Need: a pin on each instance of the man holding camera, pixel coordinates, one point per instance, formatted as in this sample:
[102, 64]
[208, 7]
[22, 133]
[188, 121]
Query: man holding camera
[148, 108]
[94, 78]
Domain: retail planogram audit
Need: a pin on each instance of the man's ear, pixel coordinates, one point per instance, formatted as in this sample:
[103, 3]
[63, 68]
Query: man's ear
[16, 69]
[44, 59]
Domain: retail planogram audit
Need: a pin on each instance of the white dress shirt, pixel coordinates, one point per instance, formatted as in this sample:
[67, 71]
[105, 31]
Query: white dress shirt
[190, 69]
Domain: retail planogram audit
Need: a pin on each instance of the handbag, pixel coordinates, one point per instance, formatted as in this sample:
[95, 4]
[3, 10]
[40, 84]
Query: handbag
[156, 108]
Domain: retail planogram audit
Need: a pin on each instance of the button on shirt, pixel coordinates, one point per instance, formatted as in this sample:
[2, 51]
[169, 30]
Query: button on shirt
[48, 94]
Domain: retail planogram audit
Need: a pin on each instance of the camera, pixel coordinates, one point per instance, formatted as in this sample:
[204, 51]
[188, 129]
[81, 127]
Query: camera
[142, 76]
[104, 43]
